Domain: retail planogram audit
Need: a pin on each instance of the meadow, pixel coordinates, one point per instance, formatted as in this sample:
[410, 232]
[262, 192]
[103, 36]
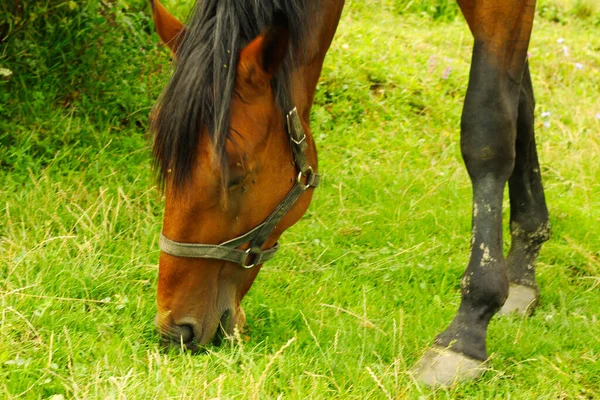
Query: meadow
[363, 282]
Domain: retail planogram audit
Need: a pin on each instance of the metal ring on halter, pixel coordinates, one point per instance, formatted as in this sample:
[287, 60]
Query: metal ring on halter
[308, 174]
[248, 252]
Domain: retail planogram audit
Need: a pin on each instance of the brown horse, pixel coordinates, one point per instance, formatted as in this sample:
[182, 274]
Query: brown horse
[235, 151]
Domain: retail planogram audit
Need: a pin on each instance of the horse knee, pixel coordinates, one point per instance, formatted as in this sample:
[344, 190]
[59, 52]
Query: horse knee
[488, 133]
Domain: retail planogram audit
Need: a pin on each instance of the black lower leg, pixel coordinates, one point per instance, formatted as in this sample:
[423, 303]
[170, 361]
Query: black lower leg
[488, 146]
[528, 212]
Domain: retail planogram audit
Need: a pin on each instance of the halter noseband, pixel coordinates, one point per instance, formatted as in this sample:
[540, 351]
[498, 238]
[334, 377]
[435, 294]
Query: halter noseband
[254, 255]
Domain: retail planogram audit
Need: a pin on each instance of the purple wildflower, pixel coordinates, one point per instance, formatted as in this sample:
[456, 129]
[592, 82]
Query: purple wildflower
[447, 72]
[432, 64]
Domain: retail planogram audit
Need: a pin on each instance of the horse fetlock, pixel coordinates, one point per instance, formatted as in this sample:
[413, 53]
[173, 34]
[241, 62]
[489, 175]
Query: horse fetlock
[521, 264]
[484, 285]
[465, 334]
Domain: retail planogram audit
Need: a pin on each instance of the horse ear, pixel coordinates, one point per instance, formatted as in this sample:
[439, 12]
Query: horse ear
[170, 30]
[261, 58]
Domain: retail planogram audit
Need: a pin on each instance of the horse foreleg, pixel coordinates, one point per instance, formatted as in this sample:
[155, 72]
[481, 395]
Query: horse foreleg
[488, 135]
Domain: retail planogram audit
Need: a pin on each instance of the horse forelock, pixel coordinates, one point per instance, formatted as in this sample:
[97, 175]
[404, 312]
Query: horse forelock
[198, 97]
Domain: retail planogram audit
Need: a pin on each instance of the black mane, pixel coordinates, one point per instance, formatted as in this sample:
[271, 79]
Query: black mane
[199, 93]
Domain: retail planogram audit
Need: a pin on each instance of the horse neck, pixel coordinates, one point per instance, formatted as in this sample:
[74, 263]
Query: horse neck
[307, 74]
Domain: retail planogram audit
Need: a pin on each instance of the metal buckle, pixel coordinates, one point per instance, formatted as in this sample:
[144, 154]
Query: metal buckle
[293, 122]
[257, 257]
[300, 141]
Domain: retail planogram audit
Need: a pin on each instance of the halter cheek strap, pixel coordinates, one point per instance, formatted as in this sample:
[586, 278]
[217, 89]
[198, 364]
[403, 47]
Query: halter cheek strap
[254, 255]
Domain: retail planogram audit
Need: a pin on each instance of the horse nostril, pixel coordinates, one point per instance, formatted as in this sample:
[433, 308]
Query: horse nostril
[176, 335]
[182, 333]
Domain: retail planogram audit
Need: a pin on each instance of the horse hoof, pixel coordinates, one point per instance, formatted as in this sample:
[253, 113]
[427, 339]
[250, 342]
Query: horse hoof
[521, 300]
[442, 367]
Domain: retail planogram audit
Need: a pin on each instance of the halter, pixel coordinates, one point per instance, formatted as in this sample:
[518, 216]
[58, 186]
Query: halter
[254, 255]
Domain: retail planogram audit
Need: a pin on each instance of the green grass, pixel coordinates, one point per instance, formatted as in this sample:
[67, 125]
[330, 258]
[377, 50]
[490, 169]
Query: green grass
[362, 284]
